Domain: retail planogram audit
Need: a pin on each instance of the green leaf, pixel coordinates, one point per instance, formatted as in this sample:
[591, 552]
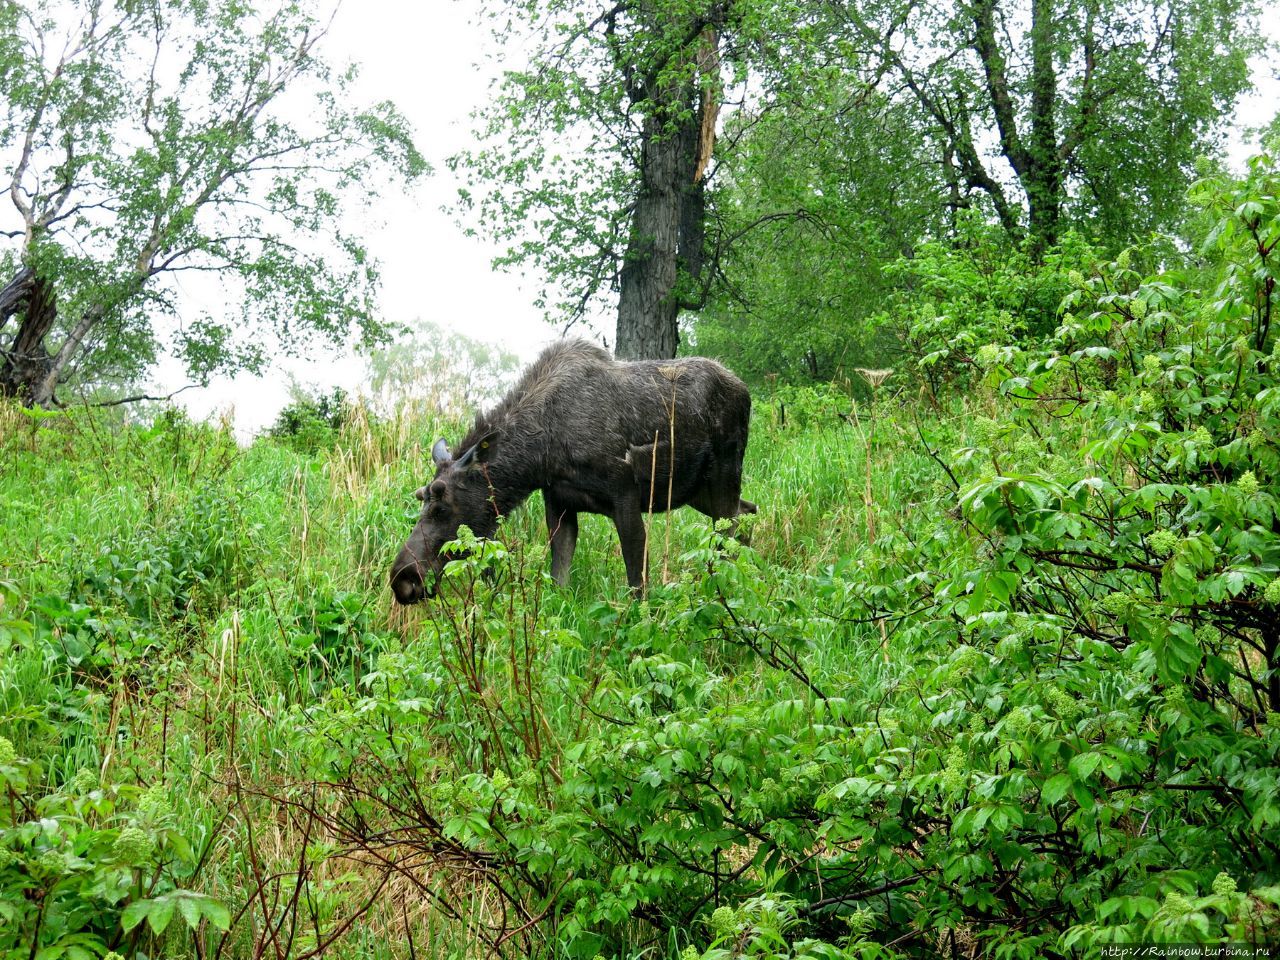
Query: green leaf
[1083, 765]
[161, 914]
[1056, 788]
[134, 914]
[189, 907]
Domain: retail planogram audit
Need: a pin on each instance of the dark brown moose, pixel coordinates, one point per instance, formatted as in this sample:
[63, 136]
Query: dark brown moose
[595, 435]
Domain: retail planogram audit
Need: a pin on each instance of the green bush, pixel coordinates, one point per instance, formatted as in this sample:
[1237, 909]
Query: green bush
[83, 864]
[312, 423]
[959, 301]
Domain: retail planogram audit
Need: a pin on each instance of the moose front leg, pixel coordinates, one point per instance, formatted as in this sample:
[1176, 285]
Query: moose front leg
[563, 526]
[630, 523]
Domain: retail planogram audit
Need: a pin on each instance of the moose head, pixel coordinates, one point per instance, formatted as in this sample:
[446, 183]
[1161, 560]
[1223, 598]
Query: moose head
[459, 494]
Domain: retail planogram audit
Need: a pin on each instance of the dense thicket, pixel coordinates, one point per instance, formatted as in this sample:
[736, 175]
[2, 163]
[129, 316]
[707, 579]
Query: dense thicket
[996, 678]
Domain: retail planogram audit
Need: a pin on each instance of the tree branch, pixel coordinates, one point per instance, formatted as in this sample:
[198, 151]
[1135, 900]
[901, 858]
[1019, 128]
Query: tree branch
[137, 398]
[993, 66]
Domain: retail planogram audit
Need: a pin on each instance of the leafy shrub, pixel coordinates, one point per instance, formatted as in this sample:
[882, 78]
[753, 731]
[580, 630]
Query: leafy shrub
[83, 864]
[803, 406]
[166, 571]
[960, 299]
[312, 423]
[332, 637]
[1111, 750]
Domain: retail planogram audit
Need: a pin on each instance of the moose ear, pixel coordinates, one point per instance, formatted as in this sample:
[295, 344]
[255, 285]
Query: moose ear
[440, 454]
[479, 452]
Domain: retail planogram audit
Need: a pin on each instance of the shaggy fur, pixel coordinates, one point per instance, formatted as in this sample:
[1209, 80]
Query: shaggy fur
[595, 436]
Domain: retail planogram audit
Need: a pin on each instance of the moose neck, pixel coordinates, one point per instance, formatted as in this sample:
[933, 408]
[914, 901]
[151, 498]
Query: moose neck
[519, 463]
[510, 482]
[516, 468]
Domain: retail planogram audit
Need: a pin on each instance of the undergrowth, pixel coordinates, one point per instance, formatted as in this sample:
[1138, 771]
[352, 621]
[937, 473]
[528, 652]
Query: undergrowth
[1017, 696]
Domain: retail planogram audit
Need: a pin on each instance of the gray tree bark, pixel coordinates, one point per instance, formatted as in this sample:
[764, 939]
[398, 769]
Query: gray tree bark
[25, 364]
[662, 270]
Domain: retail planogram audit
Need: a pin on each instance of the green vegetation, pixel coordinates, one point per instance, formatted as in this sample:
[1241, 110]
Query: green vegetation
[995, 672]
[760, 162]
[144, 143]
[998, 675]
[309, 423]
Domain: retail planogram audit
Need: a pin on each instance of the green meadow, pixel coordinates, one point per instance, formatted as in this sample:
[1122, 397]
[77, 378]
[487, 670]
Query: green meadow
[222, 738]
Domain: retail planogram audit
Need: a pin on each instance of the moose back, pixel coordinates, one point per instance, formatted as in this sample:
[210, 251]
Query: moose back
[595, 435]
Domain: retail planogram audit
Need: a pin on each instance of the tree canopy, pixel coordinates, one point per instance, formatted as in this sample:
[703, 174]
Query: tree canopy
[841, 135]
[147, 141]
[1097, 110]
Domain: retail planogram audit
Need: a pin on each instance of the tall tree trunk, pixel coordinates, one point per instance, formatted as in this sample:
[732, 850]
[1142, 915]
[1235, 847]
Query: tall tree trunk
[665, 250]
[662, 270]
[1045, 176]
[25, 372]
[647, 305]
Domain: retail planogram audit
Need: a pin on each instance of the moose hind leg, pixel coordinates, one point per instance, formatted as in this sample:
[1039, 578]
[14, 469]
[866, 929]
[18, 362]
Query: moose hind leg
[630, 524]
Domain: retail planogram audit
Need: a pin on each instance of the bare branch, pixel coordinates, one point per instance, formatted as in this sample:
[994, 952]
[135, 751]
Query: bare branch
[137, 398]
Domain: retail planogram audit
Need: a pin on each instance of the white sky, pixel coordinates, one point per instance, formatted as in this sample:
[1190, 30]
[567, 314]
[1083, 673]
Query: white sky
[428, 58]
[424, 57]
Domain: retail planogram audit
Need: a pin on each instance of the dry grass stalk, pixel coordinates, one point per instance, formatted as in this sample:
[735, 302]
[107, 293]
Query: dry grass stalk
[653, 479]
[874, 379]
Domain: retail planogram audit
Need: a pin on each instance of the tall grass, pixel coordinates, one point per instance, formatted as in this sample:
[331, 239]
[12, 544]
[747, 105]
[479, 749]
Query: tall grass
[207, 630]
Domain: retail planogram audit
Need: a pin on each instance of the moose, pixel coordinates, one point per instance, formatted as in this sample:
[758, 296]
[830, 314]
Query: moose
[595, 435]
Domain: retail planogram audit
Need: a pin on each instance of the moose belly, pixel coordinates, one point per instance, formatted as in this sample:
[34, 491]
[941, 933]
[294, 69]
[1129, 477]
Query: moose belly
[579, 498]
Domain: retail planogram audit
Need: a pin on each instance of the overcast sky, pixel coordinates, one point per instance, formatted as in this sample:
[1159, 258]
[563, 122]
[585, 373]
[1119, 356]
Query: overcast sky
[424, 56]
[429, 59]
